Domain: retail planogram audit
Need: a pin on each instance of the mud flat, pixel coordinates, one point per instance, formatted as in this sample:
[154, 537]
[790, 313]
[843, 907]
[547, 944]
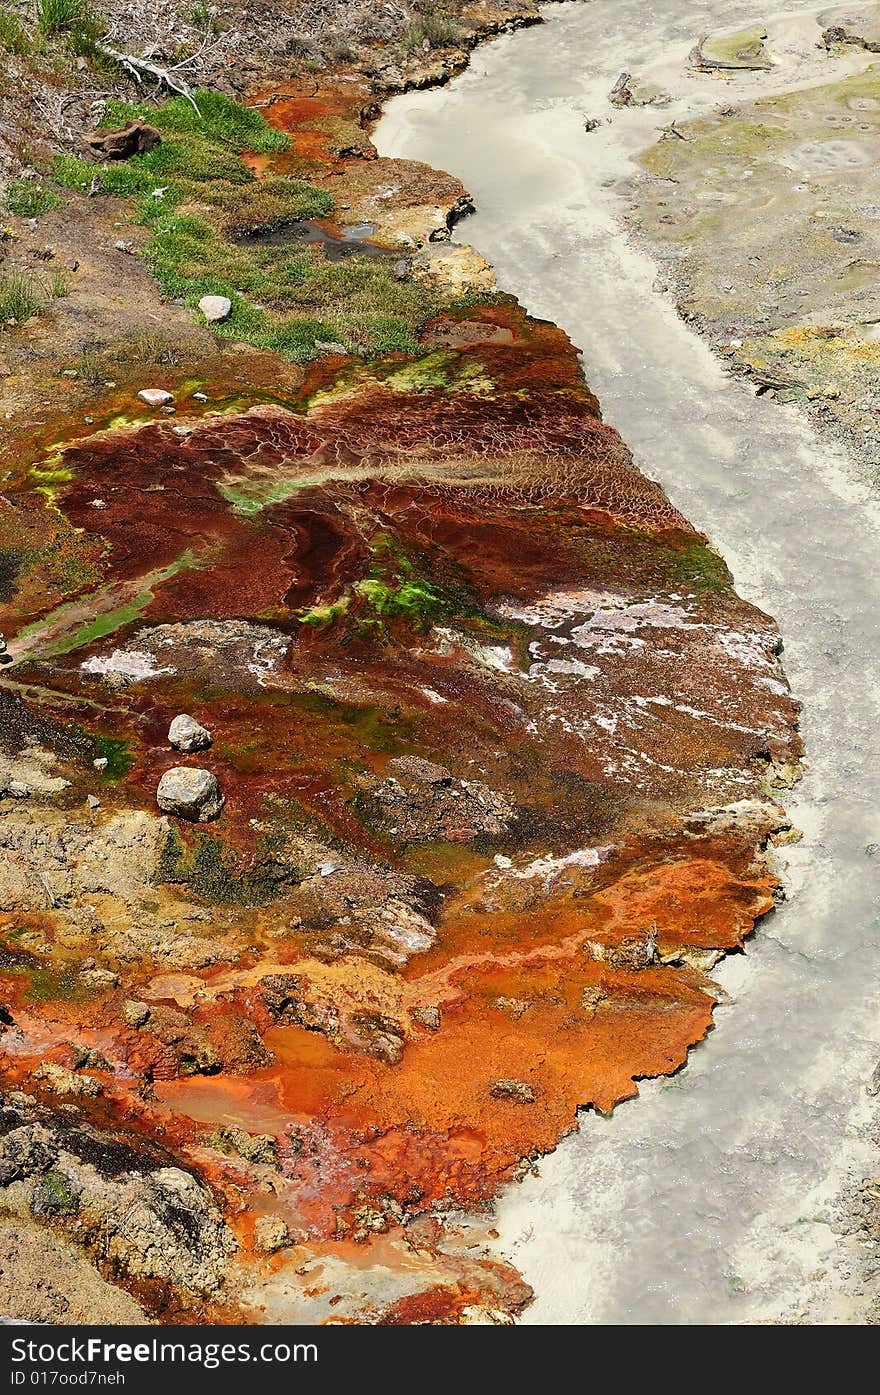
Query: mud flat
[717, 1198]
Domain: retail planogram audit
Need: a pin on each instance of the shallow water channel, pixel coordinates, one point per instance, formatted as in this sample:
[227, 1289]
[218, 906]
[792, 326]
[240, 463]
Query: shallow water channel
[709, 1198]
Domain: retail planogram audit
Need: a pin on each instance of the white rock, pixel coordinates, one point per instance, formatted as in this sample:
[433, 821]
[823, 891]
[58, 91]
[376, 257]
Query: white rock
[215, 307]
[186, 734]
[155, 397]
[190, 794]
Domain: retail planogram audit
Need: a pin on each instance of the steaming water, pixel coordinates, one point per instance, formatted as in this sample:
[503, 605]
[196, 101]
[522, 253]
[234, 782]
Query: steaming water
[709, 1198]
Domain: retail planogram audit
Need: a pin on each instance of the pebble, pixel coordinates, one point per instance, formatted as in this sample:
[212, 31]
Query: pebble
[155, 397]
[215, 308]
[186, 734]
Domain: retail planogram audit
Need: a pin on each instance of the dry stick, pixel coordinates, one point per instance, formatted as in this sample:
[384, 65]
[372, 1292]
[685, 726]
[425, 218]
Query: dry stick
[136, 66]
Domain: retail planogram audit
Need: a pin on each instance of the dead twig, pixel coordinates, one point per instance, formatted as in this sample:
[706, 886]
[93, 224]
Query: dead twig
[142, 67]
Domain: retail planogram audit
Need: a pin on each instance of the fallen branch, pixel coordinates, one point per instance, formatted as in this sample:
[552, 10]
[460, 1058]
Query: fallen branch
[139, 67]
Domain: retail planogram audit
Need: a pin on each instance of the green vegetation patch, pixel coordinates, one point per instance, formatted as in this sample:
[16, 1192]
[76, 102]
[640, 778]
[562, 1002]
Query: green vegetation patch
[29, 198]
[13, 36]
[223, 875]
[19, 298]
[434, 27]
[198, 197]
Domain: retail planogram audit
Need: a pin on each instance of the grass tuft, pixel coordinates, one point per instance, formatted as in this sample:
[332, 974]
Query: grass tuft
[13, 36]
[19, 298]
[29, 198]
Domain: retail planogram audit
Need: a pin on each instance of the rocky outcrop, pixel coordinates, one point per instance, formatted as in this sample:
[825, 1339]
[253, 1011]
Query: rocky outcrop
[146, 1219]
[134, 138]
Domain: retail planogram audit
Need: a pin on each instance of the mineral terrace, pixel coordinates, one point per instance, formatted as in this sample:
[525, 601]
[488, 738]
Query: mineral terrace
[476, 780]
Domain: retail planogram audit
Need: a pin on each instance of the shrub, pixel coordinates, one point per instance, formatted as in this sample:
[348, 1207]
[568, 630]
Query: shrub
[433, 29]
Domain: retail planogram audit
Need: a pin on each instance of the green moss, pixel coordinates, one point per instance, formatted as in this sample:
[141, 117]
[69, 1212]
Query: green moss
[29, 198]
[54, 1195]
[72, 172]
[222, 875]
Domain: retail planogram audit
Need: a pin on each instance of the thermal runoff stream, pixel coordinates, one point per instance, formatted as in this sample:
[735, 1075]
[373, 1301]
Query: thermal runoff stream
[423, 635]
[711, 1199]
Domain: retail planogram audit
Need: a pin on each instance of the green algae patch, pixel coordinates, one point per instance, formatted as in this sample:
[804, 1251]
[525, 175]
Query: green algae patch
[697, 567]
[109, 609]
[116, 751]
[223, 875]
[397, 588]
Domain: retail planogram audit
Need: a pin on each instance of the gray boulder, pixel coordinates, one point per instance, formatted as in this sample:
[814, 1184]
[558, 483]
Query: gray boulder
[190, 794]
[186, 734]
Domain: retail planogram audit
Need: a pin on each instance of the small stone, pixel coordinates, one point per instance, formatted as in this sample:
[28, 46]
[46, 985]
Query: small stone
[100, 763]
[271, 1234]
[94, 802]
[516, 1090]
[200, 397]
[134, 1013]
[17, 789]
[401, 270]
[215, 307]
[94, 977]
[427, 1017]
[186, 734]
[134, 138]
[254, 1147]
[155, 397]
[62, 1081]
[190, 794]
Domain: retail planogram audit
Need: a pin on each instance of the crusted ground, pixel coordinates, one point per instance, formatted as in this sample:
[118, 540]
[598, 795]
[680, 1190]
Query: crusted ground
[765, 216]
